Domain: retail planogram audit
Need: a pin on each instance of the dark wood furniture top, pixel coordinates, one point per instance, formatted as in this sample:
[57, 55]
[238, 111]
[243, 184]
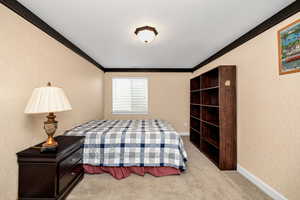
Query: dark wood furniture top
[213, 115]
[50, 175]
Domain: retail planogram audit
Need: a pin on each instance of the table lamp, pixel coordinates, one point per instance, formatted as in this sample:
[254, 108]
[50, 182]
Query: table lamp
[48, 100]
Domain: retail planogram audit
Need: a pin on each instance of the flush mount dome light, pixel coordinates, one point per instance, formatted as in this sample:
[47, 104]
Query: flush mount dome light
[146, 33]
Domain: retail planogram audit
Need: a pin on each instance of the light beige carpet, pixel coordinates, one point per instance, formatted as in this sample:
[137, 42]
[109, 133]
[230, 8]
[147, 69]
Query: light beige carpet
[201, 181]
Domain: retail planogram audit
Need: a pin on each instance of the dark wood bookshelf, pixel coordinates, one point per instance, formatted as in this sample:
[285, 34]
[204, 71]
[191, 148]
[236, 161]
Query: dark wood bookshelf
[195, 137]
[210, 151]
[196, 118]
[209, 123]
[209, 97]
[195, 83]
[204, 105]
[212, 106]
[212, 142]
[213, 115]
[195, 130]
[209, 88]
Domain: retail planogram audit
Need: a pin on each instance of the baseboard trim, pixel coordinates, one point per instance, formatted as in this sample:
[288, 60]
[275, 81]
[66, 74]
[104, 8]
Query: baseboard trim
[184, 133]
[260, 184]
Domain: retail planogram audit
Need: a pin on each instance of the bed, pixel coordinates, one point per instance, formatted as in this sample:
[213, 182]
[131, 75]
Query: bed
[122, 147]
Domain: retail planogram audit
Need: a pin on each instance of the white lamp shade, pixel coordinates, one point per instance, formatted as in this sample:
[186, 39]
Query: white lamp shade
[146, 36]
[46, 100]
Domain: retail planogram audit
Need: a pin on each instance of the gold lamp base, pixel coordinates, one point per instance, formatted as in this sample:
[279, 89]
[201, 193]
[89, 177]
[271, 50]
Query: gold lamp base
[50, 142]
[50, 127]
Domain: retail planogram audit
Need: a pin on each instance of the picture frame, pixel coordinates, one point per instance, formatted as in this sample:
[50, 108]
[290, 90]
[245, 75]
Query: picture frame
[289, 48]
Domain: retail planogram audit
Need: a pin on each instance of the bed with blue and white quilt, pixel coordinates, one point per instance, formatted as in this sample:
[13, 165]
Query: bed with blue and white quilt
[122, 147]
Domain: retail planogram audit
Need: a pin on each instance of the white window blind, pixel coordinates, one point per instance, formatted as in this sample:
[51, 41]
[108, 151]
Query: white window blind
[130, 95]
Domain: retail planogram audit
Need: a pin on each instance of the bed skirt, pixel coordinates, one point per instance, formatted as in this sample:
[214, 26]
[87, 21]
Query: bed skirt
[123, 172]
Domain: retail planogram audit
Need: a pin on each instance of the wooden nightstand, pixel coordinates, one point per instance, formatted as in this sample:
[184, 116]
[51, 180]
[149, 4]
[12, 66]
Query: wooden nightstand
[51, 176]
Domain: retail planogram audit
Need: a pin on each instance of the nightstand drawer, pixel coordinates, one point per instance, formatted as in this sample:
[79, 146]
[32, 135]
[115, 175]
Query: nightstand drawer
[69, 177]
[66, 165]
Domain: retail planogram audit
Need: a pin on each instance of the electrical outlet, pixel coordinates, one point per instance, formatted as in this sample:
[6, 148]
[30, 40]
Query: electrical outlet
[185, 124]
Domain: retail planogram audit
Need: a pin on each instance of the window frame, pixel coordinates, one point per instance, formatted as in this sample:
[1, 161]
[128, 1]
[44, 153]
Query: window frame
[126, 112]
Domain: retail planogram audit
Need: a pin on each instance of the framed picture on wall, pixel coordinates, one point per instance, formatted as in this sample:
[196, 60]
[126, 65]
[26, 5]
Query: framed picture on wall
[289, 48]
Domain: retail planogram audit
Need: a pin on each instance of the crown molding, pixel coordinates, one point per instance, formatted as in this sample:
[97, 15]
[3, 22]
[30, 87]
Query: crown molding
[29, 16]
[283, 14]
[148, 70]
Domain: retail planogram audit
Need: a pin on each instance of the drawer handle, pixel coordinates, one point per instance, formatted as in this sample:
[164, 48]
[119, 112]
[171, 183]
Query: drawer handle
[74, 159]
[73, 173]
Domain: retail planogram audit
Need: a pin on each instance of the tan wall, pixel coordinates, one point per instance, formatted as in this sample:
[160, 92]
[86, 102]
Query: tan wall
[168, 97]
[28, 59]
[268, 112]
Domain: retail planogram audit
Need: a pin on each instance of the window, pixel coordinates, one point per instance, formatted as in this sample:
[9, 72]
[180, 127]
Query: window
[130, 95]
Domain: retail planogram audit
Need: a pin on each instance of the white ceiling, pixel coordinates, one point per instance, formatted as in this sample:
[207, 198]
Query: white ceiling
[189, 30]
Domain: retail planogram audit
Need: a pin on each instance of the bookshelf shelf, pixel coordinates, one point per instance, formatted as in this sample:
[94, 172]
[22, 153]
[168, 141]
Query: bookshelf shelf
[209, 123]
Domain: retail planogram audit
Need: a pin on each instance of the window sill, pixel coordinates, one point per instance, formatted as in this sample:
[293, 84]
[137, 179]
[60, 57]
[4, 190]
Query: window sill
[130, 113]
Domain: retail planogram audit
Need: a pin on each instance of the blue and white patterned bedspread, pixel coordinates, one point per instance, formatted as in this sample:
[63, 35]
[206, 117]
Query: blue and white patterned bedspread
[124, 143]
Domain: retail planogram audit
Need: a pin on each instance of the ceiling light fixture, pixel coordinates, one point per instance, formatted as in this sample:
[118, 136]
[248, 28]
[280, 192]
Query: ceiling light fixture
[146, 33]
